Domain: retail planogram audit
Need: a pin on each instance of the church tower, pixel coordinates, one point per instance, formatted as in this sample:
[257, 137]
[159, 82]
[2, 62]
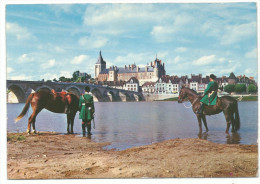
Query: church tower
[100, 65]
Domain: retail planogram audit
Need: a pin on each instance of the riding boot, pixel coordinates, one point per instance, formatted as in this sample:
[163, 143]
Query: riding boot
[89, 128]
[200, 110]
[83, 130]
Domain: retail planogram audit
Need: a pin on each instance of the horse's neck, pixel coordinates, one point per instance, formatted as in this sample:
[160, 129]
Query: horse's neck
[192, 97]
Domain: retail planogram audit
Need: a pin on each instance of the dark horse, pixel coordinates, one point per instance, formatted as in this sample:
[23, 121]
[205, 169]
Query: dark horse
[225, 104]
[54, 102]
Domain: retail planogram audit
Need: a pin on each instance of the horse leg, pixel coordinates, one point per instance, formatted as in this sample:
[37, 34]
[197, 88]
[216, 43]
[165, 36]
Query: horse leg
[232, 122]
[68, 123]
[72, 123]
[205, 122]
[228, 120]
[199, 121]
[32, 119]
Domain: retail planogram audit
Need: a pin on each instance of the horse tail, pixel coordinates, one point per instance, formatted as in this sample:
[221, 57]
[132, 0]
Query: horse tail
[237, 118]
[26, 107]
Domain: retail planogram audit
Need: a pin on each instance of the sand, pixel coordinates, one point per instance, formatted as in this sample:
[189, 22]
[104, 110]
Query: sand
[49, 155]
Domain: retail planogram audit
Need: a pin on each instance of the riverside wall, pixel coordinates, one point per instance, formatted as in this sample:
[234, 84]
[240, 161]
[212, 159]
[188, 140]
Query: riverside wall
[154, 97]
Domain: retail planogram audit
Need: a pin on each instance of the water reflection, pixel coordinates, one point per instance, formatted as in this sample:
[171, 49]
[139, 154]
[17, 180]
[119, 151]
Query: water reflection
[233, 138]
[203, 135]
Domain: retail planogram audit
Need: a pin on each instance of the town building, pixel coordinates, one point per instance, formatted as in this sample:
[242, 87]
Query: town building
[132, 85]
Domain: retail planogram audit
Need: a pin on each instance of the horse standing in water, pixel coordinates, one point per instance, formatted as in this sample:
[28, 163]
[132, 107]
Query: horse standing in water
[54, 102]
[225, 104]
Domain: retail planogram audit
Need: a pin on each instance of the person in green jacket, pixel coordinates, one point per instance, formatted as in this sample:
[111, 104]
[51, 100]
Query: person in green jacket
[87, 110]
[210, 94]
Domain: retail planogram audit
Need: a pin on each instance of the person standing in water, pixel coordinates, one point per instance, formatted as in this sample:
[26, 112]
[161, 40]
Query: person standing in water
[87, 110]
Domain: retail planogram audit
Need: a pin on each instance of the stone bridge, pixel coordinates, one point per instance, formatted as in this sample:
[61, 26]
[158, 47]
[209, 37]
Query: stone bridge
[22, 89]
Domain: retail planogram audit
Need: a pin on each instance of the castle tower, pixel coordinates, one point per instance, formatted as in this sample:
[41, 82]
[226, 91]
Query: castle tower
[100, 65]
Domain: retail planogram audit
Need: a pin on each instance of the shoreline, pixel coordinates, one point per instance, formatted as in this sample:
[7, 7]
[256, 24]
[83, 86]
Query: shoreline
[50, 155]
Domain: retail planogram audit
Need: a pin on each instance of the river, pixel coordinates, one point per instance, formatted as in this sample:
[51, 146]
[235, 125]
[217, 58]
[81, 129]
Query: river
[128, 124]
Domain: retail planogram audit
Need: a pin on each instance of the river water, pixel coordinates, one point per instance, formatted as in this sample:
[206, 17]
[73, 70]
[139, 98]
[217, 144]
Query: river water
[128, 124]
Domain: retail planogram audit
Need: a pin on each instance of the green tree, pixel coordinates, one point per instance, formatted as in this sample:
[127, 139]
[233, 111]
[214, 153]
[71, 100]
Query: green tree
[229, 88]
[75, 75]
[62, 79]
[240, 88]
[252, 88]
[54, 80]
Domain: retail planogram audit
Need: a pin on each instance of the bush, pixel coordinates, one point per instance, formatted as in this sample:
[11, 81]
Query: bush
[240, 88]
[229, 88]
[252, 88]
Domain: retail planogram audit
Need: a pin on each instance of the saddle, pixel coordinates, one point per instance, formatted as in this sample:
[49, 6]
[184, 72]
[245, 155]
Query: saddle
[63, 95]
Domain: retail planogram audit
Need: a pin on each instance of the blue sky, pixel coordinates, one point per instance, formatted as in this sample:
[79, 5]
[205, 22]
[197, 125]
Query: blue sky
[49, 41]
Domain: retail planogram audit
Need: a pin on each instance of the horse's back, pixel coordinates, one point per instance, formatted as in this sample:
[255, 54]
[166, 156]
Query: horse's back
[227, 99]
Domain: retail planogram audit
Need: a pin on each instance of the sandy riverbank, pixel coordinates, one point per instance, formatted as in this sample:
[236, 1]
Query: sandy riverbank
[50, 155]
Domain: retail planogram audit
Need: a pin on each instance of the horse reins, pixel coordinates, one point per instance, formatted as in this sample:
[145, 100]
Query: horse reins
[191, 104]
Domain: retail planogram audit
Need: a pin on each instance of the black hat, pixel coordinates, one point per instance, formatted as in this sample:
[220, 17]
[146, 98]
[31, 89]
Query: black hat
[212, 76]
[87, 89]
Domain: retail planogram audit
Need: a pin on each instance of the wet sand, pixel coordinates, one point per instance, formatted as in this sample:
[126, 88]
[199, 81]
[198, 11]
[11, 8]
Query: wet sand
[50, 155]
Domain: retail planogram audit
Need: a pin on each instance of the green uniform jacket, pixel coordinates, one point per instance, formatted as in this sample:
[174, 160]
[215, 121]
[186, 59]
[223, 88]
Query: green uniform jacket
[210, 93]
[86, 107]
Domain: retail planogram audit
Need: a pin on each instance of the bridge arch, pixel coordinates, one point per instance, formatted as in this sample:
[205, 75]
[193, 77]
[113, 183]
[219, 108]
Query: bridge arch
[110, 95]
[138, 97]
[97, 94]
[18, 92]
[73, 89]
[44, 88]
[124, 96]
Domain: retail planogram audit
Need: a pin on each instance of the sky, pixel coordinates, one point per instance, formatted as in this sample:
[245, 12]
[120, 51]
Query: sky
[47, 41]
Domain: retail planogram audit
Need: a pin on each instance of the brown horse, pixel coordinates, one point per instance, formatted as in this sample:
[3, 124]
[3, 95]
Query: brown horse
[225, 104]
[54, 102]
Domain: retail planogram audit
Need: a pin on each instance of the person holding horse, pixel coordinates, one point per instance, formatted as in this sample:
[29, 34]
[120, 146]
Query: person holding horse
[210, 94]
[87, 110]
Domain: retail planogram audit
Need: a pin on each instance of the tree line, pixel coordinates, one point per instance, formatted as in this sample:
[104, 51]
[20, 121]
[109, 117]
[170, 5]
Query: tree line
[75, 78]
[240, 88]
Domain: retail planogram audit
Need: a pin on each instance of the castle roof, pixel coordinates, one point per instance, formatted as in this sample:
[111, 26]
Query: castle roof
[105, 71]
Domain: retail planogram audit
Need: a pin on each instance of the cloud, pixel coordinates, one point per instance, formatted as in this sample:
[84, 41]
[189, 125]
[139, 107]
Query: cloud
[251, 54]
[21, 77]
[92, 42]
[9, 69]
[116, 19]
[25, 58]
[181, 49]
[205, 60]
[162, 33]
[51, 76]
[19, 32]
[49, 64]
[177, 59]
[61, 8]
[236, 33]
[59, 49]
[137, 58]
[79, 59]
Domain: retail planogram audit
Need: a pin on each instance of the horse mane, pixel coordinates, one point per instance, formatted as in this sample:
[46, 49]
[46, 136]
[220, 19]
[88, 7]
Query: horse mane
[192, 91]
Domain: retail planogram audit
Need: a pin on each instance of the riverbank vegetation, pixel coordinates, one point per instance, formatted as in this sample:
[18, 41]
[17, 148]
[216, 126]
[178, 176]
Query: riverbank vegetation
[17, 137]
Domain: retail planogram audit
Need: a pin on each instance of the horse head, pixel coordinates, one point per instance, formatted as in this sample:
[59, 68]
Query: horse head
[182, 95]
